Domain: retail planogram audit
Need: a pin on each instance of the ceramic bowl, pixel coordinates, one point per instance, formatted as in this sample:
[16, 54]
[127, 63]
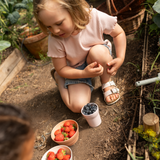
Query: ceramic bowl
[55, 150]
[70, 141]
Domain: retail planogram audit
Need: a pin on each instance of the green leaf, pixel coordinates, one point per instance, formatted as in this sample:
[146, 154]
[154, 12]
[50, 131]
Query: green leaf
[156, 6]
[4, 45]
[13, 17]
[155, 60]
[20, 6]
[151, 1]
[4, 7]
[153, 27]
[156, 20]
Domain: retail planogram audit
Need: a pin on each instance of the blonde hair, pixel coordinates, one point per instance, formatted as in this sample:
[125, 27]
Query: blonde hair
[78, 9]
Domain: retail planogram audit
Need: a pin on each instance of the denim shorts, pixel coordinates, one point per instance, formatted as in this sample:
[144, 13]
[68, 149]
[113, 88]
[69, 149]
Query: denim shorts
[82, 80]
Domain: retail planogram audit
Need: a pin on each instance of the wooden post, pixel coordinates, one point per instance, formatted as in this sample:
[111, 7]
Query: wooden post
[151, 121]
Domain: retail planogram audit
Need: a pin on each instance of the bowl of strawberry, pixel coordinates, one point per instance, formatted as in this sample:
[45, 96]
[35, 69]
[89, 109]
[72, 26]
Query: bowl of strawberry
[65, 132]
[60, 152]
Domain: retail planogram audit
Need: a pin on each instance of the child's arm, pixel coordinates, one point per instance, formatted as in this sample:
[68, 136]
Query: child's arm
[92, 70]
[119, 39]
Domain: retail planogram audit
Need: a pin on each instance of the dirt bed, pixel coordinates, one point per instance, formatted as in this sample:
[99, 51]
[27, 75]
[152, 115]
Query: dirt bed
[34, 90]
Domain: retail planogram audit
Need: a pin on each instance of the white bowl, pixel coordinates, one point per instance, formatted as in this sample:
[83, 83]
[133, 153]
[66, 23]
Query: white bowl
[55, 150]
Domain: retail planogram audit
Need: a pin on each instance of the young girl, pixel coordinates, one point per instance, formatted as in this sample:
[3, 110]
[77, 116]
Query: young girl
[16, 134]
[78, 50]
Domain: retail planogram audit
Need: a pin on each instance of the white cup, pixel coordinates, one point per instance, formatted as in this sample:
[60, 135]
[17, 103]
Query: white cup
[93, 119]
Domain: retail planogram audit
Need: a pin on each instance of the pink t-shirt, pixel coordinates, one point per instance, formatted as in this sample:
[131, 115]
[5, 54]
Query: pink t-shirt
[75, 48]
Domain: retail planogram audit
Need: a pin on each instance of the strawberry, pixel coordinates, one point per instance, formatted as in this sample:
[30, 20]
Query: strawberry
[74, 125]
[66, 124]
[59, 155]
[50, 155]
[62, 150]
[71, 133]
[57, 132]
[71, 127]
[67, 129]
[62, 129]
[66, 157]
[59, 137]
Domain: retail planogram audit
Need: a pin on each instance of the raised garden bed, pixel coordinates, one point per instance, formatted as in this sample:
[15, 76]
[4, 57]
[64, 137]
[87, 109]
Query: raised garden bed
[10, 67]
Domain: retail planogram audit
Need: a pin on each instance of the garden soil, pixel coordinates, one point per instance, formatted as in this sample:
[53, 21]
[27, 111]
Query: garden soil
[35, 91]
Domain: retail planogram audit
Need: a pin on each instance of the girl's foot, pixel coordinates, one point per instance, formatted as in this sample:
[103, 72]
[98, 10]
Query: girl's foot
[54, 74]
[111, 92]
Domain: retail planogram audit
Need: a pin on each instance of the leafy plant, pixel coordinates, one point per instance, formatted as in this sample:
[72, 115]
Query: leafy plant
[155, 60]
[135, 65]
[9, 10]
[151, 96]
[152, 140]
[11, 13]
[44, 58]
[3, 46]
[154, 10]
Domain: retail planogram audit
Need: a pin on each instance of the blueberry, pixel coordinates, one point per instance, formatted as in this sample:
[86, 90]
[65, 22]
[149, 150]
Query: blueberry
[89, 108]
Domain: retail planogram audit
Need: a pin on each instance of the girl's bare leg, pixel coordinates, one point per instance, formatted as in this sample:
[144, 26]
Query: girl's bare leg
[100, 54]
[76, 96]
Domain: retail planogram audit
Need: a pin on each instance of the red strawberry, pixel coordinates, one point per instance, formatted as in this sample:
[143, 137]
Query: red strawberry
[62, 129]
[71, 133]
[67, 129]
[71, 127]
[59, 155]
[74, 125]
[62, 150]
[57, 132]
[66, 124]
[50, 155]
[59, 137]
[66, 157]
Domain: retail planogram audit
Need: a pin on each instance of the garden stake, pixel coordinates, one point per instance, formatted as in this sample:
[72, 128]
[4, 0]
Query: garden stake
[147, 81]
[129, 152]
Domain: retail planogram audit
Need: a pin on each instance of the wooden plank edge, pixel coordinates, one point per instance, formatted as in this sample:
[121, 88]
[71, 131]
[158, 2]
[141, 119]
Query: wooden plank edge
[9, 64]
[10, 77]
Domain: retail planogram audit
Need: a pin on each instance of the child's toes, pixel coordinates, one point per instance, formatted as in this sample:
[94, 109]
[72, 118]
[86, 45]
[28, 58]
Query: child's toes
[112, 98]
[108, 99]
[116, 95]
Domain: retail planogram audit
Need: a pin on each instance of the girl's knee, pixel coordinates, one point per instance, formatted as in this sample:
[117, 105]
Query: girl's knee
[76, 107]
[99, 53]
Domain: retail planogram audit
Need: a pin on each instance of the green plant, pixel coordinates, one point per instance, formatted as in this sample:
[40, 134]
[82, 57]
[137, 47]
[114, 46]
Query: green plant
[9, 10]
[3, 46]
[9, 16]
[151, 96]
[131, 155]
[44, 58]
[135, 65]
[152, 140]
[154, 11]
[155, 60]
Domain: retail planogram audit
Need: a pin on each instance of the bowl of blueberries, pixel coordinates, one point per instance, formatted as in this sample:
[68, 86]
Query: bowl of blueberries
[91, 113]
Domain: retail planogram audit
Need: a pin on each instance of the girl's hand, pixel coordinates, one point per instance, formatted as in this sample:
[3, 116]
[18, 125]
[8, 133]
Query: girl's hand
[92, 70]
[113, 66]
